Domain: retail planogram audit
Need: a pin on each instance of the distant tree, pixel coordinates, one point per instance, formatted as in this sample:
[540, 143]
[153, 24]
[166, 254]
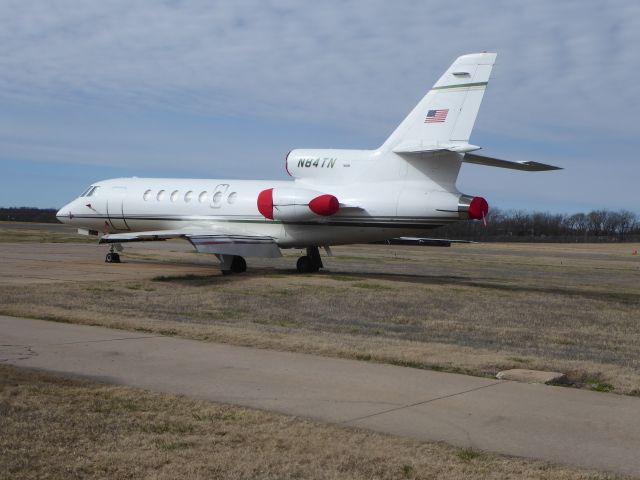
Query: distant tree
[28, 214]
[518, 225]
[627, 221]
[597, 220]
[577, 223]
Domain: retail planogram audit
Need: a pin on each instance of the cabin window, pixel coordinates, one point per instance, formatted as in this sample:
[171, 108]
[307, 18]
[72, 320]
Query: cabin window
[217, 197]
[146, 195]
[203, 197]
[160, 195]
[188, 196]
[232, 197]
[174, 195]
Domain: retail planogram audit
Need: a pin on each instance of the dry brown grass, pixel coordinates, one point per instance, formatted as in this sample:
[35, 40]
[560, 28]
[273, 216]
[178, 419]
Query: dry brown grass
[61, 429]
[40, 233]
[471, 308]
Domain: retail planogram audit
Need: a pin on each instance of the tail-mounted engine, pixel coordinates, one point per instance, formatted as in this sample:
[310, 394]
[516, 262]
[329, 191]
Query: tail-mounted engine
[296, 204]
[472, 208]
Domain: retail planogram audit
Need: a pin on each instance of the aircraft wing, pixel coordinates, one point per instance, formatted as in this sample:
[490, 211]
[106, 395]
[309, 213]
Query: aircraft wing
[206, 241]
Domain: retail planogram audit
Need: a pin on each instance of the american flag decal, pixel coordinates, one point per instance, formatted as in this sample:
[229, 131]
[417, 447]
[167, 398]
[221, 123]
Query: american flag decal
[436, 116]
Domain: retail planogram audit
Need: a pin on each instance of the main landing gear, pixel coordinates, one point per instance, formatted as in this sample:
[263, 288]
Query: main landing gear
[113, 256]
[232, 264]
[311, 262]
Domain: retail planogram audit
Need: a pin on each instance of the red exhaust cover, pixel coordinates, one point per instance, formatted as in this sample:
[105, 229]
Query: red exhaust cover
[478, 208]
[324, 205]
[265, 203]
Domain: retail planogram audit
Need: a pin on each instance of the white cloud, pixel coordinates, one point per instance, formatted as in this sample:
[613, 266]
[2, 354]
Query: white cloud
[565, 75]
[558, 61]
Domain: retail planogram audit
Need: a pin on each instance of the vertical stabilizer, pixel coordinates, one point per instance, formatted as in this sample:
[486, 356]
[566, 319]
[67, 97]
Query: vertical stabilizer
[446, 114]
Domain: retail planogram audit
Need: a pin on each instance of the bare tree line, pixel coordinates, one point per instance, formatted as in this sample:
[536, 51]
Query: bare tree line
[502, 225]
[28, 214]
[517, 225]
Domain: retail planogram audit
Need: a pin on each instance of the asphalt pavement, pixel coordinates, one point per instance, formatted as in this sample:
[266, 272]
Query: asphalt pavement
[556, 424]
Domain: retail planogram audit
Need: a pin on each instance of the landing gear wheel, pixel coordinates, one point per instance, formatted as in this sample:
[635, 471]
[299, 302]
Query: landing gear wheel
[307, 265]
[238, 265]
[304, 265]
[311, 262]
[314, 255]
[232, 264]
[112, 257]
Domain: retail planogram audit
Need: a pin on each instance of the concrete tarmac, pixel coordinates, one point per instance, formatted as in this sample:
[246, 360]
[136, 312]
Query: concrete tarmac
[560, 425]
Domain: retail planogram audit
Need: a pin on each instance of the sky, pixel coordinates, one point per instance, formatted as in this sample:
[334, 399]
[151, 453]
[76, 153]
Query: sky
[94, 90]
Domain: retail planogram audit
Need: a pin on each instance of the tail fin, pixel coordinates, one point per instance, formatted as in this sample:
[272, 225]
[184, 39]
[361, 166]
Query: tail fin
[445, 116]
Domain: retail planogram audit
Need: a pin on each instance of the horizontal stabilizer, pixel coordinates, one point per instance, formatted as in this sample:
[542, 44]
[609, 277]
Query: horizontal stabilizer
[495, 162]
[417, 147]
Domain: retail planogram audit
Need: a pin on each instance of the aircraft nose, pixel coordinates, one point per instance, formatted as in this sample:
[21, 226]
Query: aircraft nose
[64, 215]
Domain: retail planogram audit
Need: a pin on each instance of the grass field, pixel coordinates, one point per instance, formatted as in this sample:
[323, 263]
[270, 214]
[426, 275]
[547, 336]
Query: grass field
[475, 309]
[62, 429]
[40, 233]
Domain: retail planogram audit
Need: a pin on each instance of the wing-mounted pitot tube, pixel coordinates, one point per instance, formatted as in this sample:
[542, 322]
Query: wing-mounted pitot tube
[296, 204]
[472, 208]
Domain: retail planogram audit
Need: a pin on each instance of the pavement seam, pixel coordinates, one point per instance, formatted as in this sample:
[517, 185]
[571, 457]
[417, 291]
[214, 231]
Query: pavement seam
[86, 341]
[424, 402]
[109, 340]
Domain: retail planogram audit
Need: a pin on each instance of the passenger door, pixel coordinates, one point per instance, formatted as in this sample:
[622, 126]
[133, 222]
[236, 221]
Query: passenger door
[115, 208]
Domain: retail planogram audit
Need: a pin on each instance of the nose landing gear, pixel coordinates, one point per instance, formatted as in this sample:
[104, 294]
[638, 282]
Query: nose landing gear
[113, 256]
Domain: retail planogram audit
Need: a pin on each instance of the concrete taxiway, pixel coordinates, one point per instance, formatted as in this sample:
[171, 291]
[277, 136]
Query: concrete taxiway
[562, 425]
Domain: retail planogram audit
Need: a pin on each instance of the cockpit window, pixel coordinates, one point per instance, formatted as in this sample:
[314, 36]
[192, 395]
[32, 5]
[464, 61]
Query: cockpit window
[91, 191]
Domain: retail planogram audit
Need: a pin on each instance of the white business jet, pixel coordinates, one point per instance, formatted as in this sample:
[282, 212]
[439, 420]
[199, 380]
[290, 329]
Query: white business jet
[402, 188]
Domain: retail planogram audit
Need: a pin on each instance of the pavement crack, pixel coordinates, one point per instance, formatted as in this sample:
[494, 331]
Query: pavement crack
[19, 352]
[415, 404]
[108, 340]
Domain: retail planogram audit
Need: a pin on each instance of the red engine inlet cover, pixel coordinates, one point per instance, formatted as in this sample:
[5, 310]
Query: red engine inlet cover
[265, 203]
[478, 208]
[324, 205]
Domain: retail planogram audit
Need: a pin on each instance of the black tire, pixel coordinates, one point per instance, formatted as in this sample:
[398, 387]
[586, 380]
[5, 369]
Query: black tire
[109, 258]
[303, 265]
[116, 258]
[238, 265]
[306, 265]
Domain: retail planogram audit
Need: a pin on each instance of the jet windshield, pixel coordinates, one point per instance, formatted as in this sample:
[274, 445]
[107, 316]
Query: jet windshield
[89, 192]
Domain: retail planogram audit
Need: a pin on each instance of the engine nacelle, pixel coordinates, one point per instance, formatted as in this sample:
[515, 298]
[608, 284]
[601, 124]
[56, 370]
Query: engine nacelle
[472, 208]
[296, 204]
